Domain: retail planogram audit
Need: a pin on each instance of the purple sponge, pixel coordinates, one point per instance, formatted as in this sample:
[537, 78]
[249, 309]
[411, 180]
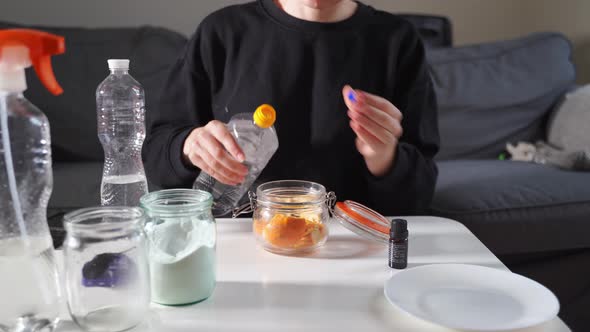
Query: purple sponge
[108, 270]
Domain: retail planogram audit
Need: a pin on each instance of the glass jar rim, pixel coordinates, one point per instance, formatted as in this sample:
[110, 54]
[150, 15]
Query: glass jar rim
[103, 219]
[277, 193]
[176, 201]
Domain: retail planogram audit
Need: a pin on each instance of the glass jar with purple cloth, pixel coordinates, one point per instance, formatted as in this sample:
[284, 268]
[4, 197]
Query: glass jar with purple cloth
[106, 268]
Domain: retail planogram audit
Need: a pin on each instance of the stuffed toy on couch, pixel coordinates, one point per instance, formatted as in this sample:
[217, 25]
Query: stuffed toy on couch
[568, 145]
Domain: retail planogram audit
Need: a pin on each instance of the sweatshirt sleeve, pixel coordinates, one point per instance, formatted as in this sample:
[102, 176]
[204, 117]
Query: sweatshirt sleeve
[409, 186]
[185, 103]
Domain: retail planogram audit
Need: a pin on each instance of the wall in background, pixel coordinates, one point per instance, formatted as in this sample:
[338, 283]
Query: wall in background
[570, 17]
[474, 20]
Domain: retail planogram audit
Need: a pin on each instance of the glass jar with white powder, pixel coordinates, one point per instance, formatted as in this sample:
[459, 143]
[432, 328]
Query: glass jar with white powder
[182, 236]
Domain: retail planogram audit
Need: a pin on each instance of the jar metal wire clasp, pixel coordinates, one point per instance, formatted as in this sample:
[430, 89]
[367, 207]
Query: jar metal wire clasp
[248, 207]
[331, 202]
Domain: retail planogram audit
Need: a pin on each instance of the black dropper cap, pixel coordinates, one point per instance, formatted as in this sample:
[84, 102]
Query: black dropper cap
[399, 229]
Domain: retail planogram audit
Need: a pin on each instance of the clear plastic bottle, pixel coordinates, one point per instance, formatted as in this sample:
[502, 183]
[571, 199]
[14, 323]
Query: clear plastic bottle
[120, 107]
[256, 135]
[29, 283]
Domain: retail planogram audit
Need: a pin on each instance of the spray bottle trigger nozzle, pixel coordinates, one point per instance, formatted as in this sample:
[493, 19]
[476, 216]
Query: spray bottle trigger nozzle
[41, 46]
[44, 71]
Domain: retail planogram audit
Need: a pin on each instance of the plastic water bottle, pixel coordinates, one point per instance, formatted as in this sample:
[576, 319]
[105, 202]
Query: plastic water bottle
[29, 281]
[257, 137]
[121, 130]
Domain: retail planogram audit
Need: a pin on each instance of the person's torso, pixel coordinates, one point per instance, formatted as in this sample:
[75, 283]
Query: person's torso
[302, 73]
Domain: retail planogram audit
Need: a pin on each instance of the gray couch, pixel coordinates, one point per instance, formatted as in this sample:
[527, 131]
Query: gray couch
[493, 94]
[534, 217]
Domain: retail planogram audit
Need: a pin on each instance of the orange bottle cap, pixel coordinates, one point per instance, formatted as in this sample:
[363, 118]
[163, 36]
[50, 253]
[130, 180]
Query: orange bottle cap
[265, 116]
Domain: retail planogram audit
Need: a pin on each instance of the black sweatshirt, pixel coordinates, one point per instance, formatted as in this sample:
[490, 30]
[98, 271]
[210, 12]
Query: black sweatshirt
[246, 55]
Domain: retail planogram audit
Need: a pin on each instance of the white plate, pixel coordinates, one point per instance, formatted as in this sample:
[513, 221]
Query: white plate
[470, 297]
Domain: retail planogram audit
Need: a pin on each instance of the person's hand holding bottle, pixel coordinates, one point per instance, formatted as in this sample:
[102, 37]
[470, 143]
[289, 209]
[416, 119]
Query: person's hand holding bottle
[214, 150]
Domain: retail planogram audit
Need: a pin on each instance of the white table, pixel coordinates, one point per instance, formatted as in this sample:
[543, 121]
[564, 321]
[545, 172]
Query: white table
[339, 288]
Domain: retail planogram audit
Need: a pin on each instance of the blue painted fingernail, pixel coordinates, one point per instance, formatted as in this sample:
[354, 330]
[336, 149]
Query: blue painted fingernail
[352, 97]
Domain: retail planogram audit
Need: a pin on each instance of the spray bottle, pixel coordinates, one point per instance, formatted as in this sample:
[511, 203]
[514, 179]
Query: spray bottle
[28, 275]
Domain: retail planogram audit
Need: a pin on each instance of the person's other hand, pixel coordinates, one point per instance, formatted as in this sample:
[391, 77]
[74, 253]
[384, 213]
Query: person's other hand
[213, 149]
[377, 125]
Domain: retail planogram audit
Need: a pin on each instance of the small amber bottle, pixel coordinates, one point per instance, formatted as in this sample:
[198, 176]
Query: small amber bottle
[398, 244]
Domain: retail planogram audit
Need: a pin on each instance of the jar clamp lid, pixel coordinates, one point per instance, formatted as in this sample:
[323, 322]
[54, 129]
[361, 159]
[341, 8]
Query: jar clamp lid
[362, 221]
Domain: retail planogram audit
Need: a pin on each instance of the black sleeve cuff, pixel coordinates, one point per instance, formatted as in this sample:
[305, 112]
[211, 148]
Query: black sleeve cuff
[397, 173]
[185, 172]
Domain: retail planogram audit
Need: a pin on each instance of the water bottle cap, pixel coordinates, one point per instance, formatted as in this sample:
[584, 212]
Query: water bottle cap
[265, 116]
[118, 64]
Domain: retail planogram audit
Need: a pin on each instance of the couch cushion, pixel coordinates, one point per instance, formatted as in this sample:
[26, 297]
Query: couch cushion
[516, 207]
[493, 93]
[72, 116]
[76, 185]
[569, 124]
